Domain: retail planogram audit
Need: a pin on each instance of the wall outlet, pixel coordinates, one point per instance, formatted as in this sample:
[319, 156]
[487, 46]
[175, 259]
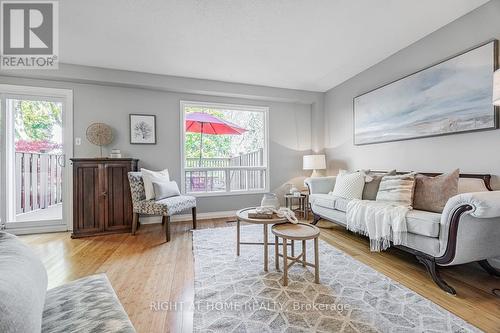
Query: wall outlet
[78, 141]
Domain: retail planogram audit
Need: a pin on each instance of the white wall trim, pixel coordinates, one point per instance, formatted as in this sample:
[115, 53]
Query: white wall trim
[249, 108]
[188, 217]
[115, 77]
[66, 96]
[37, 230]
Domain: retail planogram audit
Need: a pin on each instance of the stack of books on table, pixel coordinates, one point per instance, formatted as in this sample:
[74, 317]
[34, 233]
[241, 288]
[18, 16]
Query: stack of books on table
[260, 215]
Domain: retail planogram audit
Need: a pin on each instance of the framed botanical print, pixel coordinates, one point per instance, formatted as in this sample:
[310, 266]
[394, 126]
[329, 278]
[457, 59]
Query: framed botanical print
[143, 129]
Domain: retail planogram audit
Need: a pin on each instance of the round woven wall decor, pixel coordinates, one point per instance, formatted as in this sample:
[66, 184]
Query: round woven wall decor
[99, 134]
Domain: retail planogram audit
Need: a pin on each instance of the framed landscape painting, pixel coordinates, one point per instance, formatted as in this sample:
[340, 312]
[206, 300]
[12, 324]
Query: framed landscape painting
[453, 96]
[143, 129]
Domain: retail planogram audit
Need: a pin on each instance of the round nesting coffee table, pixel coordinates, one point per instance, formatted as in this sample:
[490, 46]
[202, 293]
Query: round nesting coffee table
[242, 215]
[293, 232]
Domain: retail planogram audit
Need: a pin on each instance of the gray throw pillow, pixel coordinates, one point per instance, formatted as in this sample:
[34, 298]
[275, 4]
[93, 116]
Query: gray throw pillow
[432, 193]
[165, 189]
[23, 285]
[371, 188]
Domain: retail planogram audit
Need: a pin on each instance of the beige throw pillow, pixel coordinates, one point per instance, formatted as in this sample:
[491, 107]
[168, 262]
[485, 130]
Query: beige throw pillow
[373, 182]
[397, 189]
[432, 193]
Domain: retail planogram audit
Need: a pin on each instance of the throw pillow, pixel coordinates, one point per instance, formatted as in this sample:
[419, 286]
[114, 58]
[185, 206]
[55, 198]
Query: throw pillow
[349, 185]
[397, 189]
[165, 189]
[149, 176]
[432, 193]
[371, 187]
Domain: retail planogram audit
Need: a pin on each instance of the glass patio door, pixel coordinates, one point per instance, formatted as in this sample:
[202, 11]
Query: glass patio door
[35, 153]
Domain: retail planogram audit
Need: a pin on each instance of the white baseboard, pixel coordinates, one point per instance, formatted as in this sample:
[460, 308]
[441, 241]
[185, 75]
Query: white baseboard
[187, 217]
[37, 230]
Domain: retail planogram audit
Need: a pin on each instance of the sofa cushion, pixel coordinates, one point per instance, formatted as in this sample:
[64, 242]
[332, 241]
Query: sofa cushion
[85, 305]
[341, 204]
[23, 285]
[418, 221]
[468, 185]
[322, 200]
[432, 193]
[330, 201]
[423, 223]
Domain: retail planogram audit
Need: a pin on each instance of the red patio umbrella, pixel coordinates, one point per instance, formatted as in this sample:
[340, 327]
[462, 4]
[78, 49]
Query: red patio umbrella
[204, 123]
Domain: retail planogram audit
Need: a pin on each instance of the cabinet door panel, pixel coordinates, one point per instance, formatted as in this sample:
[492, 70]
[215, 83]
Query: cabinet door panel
[86, 215]
[118, 208]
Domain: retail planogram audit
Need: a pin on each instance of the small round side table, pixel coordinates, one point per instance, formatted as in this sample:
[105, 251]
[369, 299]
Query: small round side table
[303, 204]
[242, 216]
[293, 232]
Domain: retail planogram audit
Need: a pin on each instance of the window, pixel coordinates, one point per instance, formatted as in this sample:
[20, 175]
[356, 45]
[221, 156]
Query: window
[224, 149]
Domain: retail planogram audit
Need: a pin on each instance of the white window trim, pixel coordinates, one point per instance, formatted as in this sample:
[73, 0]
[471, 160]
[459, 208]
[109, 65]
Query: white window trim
[32, 92]
[252, 108]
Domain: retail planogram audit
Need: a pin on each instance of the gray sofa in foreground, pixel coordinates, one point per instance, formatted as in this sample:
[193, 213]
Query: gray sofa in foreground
[468, 230]
[85, 305]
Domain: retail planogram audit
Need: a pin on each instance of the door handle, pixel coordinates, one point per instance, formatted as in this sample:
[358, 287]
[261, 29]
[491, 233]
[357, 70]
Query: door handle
[63, 159]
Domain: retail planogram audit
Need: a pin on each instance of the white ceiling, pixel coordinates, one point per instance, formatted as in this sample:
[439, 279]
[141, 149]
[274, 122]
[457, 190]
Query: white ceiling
[309, 45]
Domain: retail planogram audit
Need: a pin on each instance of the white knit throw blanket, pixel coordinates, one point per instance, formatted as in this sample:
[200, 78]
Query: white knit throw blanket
[382, 222]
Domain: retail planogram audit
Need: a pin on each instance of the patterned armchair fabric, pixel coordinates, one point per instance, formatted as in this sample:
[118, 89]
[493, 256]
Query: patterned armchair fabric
[85, 305]
[166, 207]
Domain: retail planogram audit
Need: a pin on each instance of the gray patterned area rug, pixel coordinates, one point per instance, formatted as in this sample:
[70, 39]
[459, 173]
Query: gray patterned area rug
[234, 294]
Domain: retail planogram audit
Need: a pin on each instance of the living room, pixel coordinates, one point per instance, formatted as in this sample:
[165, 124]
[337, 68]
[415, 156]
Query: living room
[250, 166]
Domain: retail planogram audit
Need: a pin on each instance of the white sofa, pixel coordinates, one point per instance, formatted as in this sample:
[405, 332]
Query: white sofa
[468, 230]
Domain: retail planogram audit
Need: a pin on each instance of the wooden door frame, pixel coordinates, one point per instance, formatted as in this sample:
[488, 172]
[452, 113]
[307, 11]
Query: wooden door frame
[66, 95]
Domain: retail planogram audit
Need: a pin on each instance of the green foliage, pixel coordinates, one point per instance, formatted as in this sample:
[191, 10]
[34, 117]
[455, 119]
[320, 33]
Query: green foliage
[213, 145]
[224, 146]
[35, 120]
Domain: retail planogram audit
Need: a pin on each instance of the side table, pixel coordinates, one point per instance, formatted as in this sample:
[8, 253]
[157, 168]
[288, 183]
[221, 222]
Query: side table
[301, 232]
[302, 201]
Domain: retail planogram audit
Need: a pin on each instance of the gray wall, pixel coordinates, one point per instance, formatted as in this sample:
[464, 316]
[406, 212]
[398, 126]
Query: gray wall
[102, 95]
[473, 152]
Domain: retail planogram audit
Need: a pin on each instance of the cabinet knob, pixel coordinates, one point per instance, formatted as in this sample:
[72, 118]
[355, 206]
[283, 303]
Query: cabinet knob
[104, 194]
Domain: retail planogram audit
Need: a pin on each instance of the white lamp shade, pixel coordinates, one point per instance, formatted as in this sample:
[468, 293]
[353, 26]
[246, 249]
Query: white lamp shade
[496, 88]
[314, 162]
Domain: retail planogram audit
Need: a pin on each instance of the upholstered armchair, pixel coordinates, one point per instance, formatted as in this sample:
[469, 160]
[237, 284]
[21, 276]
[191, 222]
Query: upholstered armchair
[164, 208]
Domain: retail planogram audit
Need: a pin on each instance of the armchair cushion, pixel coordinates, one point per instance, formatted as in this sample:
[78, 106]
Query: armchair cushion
[168, 206]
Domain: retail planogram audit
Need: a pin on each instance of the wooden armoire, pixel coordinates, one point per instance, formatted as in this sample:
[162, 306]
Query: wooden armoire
[101, 196]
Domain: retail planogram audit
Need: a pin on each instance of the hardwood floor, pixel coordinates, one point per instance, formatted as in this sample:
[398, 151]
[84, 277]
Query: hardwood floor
[144, 269]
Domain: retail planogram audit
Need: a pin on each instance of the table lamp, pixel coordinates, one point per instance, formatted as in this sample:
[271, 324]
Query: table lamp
[315, 163]
[496, 88]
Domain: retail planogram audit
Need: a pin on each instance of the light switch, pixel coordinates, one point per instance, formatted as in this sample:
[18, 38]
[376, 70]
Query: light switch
[78, 141]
